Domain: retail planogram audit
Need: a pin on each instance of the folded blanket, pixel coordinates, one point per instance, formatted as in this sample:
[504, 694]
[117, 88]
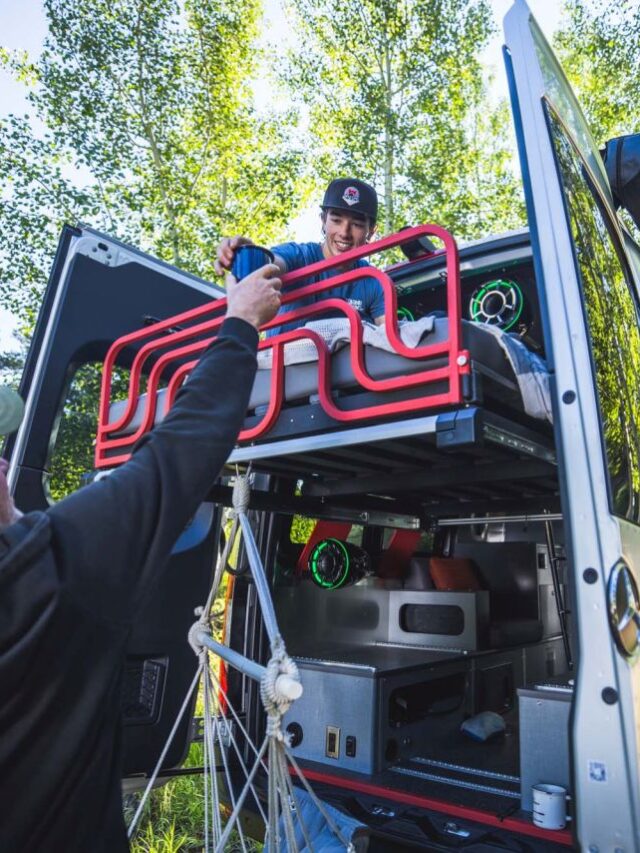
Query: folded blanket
[336, 333]
[530, 370]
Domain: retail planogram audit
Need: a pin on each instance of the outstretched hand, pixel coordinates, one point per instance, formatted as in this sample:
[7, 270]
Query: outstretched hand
[8, 511]
[226, 251]
[256, 298]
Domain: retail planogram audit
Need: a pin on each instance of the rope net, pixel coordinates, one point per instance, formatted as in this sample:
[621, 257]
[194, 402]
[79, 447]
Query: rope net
[239, 773]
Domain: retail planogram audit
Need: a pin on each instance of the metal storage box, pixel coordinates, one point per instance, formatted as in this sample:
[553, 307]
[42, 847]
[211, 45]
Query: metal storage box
[544, 737]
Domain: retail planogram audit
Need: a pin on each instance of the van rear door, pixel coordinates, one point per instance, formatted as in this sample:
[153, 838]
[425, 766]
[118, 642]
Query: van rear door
[100, 289]
[589, 305]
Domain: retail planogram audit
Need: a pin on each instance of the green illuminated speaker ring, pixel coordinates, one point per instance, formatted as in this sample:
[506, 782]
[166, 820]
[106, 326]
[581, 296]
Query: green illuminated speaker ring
[498, 302]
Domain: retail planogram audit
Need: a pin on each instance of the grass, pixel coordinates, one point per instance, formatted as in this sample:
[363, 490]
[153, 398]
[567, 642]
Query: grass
[173, 819]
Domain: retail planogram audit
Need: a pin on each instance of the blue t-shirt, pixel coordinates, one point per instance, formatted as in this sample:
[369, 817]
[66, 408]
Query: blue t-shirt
[365, 294]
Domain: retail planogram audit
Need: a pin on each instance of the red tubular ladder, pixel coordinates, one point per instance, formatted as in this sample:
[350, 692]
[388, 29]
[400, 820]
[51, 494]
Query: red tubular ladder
[167, 346]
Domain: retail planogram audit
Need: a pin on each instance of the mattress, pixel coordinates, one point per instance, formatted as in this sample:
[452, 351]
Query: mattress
[301, 380]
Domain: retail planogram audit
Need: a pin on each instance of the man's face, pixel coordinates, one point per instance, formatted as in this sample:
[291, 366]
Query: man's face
[343, 231]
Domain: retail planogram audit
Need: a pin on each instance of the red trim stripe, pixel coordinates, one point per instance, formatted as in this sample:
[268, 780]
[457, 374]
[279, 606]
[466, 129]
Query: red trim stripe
[561, 836]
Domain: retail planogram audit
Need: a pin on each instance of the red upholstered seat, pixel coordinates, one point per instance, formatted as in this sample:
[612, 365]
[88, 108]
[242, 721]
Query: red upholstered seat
[456, 574]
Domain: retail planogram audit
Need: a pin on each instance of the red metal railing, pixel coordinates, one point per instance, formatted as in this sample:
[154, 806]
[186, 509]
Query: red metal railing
[166, 347]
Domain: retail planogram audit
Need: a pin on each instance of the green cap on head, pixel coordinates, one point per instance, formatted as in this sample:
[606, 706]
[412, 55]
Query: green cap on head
[11, 410]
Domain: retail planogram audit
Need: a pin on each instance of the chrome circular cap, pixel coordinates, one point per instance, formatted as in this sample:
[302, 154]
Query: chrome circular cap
[624, 610]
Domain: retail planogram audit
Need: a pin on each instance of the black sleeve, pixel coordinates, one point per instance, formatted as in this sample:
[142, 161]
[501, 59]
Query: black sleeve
[112, 535]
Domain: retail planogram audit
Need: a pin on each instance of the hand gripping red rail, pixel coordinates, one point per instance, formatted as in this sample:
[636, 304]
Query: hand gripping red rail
[163, 347]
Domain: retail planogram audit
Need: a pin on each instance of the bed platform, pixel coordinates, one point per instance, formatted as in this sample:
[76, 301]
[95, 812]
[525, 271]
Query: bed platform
[444, 419]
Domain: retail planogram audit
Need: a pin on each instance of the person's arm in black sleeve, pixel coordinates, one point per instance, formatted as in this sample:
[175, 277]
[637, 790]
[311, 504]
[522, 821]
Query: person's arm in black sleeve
[112, 533]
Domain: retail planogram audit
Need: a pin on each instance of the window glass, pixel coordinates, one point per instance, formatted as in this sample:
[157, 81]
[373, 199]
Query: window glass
[72, 451]
[561, 95]
[425, 543]
[612, 320]
[302, 527]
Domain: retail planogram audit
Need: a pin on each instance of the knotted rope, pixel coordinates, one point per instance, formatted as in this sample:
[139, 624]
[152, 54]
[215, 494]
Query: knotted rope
[279, 687]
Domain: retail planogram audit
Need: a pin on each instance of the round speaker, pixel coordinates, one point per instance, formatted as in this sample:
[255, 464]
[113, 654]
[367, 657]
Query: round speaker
[334, 563]
[498, 302]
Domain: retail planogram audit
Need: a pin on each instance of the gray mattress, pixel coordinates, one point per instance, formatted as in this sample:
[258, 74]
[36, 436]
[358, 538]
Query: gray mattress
[301, 380]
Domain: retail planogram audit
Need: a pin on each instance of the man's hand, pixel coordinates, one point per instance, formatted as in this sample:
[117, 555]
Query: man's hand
[256, 298]
[8, 511]
[227, 250]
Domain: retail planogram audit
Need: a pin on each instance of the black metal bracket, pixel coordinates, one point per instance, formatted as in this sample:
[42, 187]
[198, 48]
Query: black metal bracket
[459, 428]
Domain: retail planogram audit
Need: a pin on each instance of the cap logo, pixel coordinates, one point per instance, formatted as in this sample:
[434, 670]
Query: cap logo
[351, 195]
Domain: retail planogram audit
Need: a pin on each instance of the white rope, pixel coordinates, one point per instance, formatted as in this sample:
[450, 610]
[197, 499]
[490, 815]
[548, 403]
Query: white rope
[279, 687]
[227, 775]
[150, 784]
[213, 782]
[243, 795]
[221, 691]
[277, 702]
[333, 826]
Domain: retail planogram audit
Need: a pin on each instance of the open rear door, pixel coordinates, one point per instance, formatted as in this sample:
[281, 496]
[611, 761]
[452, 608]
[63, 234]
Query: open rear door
[99, 290]
[590, 309]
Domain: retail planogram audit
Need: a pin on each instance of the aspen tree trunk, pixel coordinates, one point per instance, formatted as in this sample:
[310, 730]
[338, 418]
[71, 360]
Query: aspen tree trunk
[388, 146]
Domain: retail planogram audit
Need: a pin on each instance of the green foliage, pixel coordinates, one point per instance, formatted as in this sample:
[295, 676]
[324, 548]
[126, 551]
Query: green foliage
[301, 529]
[173, 819]
[394, 92]
[599, 47]
[174, 816]
[12, 362]
[151, 104]
[38, 197]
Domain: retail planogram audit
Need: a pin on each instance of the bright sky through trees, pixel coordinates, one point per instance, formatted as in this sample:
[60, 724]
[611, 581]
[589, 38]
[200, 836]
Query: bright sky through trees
[23, 27]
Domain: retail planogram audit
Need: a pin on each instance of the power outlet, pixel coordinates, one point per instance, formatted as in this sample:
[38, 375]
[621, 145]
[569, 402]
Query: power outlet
[332, 742]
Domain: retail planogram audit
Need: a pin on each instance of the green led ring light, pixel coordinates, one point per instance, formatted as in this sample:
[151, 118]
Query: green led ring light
[497, 303]
[317, 553]
[334, 563]
[405, 314]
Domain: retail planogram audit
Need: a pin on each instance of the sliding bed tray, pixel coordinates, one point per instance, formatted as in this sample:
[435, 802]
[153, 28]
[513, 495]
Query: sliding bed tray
[455, 365]
[301, 380]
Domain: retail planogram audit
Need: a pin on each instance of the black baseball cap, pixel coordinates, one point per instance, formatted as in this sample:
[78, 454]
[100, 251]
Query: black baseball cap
[353, 195]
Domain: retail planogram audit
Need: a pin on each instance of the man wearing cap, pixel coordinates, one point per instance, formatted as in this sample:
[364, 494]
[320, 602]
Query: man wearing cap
[349, 213]
[71, 578]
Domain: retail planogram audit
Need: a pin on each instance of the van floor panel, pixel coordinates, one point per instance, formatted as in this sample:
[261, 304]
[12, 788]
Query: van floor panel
[502, 816]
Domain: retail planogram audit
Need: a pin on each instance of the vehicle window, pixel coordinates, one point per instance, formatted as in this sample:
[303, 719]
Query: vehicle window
[561, 95]
[73, 443]
[612, 320]
[356, 535]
